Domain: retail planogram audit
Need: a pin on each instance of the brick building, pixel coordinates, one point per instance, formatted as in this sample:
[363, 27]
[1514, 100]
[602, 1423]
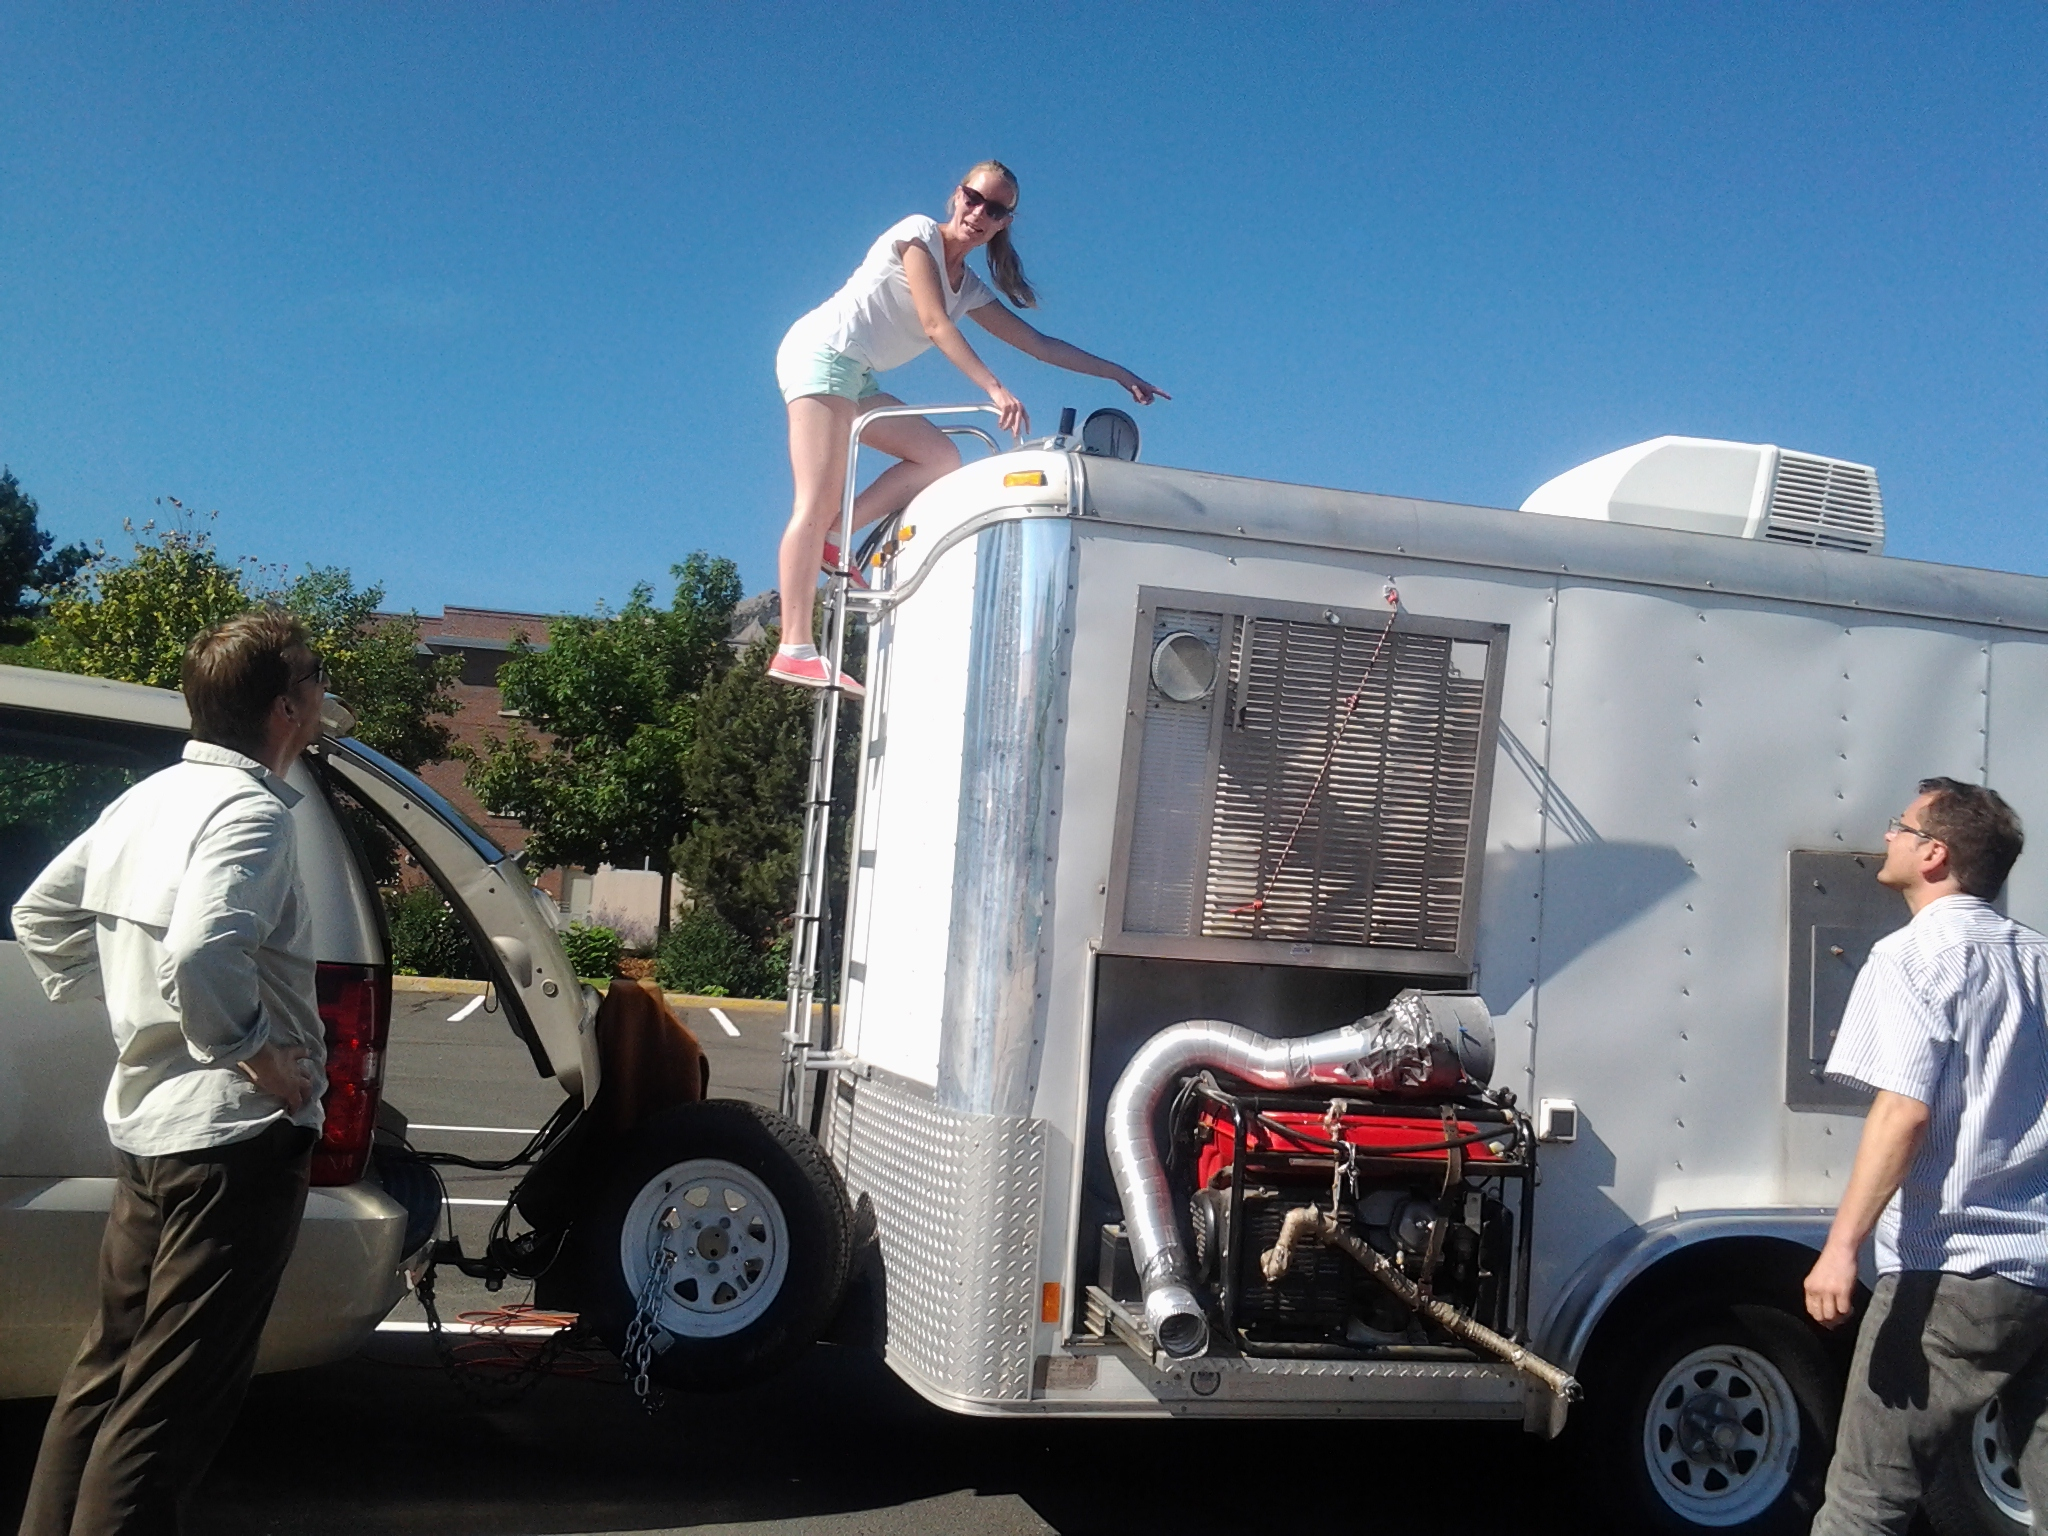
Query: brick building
[482, 638]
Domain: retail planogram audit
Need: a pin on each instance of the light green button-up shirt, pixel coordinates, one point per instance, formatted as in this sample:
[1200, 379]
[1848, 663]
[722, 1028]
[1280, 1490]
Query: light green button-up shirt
[183, 908]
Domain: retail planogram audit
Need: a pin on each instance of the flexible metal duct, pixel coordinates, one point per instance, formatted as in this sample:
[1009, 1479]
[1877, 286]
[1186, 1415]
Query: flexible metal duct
[1425, 1044]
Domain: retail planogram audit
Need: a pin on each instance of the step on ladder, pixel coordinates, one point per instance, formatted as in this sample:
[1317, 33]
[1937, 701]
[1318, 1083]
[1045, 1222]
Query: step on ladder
[806, 1046]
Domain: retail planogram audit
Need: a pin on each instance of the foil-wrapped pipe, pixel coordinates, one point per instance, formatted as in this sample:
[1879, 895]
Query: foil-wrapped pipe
[1425, 1044]
[1307, 1224]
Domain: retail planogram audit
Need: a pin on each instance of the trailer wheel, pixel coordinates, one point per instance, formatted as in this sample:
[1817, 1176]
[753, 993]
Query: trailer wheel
[745, 1221]
[1976, 1489]
[1720, 1418]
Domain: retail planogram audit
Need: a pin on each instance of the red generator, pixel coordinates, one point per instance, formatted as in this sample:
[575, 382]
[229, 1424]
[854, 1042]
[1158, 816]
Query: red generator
[1425, 1184]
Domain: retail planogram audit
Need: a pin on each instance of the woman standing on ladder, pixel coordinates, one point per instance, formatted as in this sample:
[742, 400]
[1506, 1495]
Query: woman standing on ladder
[909, 294]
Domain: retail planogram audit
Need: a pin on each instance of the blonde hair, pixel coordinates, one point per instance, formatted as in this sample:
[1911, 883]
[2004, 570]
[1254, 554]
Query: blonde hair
[1004, 269]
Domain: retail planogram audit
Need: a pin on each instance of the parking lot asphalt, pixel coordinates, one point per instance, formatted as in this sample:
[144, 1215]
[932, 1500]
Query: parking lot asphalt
[836, 1446]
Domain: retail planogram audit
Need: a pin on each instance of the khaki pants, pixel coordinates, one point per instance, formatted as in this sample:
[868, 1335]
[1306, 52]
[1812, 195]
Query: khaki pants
[1933, 1350]
[194, 1247]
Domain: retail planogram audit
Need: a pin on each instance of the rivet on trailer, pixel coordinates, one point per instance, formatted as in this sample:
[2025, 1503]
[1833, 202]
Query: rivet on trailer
[1260, 894]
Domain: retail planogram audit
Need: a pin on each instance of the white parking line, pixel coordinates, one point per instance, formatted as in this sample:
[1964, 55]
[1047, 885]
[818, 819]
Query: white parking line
[724, 1023]
[479, 1130]
[493, 1204]
[466, 1009]
[514, 1331]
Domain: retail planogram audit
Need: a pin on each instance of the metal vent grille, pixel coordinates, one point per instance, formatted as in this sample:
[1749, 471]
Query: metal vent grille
[1825, 504]
[1323, 802]
[1379, 847]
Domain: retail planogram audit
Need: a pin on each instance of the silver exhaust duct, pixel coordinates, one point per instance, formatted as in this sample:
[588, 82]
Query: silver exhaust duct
[1426, 1044]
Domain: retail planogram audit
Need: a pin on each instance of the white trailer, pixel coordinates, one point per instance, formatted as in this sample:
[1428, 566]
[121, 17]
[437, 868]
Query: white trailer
[1145, 745]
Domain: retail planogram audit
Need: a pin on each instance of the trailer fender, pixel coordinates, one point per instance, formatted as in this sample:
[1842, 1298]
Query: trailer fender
[1617, 1265]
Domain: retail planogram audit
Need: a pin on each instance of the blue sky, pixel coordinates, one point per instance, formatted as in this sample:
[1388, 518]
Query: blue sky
[482, 302]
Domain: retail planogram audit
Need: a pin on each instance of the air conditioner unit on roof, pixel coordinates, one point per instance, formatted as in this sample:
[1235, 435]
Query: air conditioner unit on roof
[1744, 490]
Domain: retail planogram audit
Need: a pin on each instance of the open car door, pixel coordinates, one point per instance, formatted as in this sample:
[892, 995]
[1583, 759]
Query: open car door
[543, 1002]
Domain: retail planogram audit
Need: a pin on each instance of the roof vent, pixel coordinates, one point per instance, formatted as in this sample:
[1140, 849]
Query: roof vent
[1743, 490]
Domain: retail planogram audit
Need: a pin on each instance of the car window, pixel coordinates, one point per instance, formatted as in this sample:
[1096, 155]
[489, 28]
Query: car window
[57, 773]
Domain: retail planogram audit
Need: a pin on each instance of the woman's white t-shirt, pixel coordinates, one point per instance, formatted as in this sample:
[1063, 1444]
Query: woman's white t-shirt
[873, 319]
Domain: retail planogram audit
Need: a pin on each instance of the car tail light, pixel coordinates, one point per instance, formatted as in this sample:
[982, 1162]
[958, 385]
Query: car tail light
[355, 1005]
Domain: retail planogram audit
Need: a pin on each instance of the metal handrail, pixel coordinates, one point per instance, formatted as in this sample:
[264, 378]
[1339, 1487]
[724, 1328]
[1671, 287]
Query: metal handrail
[815, 861]
[956, 431]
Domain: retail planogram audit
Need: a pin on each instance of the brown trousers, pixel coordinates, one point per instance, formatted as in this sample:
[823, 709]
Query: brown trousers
[194, 1248]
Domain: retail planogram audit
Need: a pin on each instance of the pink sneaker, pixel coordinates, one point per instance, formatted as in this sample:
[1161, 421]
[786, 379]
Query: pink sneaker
[812, 672]
[829, 563]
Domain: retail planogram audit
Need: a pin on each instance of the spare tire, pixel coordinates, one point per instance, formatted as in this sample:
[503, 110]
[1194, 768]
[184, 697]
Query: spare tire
[740, 1218]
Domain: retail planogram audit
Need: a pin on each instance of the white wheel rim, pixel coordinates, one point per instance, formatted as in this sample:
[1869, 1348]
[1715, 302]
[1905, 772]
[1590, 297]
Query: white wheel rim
[1721, 1435]
[1997, 1474]
[730, 1243]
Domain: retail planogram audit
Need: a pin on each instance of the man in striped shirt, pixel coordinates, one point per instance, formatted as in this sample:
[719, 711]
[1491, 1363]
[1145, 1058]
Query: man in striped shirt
[1947, 1025]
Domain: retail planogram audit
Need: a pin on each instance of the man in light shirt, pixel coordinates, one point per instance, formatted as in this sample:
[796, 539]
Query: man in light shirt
[1947, 1024]
[183, 908]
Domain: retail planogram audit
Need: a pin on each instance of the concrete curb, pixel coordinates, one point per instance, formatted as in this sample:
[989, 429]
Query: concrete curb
[454, 986]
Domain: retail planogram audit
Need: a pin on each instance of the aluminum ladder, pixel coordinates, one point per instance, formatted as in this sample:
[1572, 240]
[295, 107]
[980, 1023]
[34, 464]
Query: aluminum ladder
[802, 1051]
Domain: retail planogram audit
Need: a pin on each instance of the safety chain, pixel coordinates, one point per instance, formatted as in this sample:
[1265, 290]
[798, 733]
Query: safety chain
[639, 1351]
[486, 1388]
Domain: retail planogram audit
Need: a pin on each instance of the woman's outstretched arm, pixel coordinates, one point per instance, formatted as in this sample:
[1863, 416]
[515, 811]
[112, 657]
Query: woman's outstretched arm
[923, 275]
[1005, 325]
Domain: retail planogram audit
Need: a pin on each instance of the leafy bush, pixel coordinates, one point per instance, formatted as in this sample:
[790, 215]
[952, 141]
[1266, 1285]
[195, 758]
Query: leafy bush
[426, 938]
[705, 954]
[593, 950]
[775, 968]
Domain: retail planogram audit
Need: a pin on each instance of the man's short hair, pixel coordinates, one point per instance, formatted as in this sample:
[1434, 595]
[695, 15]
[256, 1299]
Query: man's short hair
[235, 670]
[1981, 831]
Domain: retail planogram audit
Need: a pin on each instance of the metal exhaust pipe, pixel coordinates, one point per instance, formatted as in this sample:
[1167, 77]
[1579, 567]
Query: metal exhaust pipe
[1426, 1044]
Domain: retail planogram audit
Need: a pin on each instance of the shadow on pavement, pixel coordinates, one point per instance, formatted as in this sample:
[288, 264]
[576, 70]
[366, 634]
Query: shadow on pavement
[387, 1444]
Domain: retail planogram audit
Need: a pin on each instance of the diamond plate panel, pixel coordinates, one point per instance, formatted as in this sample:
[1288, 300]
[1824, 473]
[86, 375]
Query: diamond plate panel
[958, 1202]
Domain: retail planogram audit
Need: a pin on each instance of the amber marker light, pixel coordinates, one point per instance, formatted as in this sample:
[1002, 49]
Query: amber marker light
[1049, 1302]
[1025, 477]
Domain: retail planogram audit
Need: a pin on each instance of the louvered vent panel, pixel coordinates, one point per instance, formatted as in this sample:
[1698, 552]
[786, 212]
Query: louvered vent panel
[1380, 836]
[1172, 800]
[1825, 504]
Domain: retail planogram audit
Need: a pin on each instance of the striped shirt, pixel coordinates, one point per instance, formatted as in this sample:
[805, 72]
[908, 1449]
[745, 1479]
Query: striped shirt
[1949, 1011]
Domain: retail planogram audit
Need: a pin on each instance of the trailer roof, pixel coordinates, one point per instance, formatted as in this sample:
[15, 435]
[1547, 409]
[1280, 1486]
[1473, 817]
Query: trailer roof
[1271, 511]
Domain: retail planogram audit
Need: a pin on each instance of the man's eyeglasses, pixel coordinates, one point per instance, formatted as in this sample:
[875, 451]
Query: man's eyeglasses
[987, 205]
[316, 674]
[1898, 824]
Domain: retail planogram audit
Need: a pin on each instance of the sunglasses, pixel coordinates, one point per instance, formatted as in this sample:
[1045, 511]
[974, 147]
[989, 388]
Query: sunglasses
[995, 210]
[317, 673]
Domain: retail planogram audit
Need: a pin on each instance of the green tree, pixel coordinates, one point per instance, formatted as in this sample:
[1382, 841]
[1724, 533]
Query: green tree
[402, 699]
[748, 773]
[596, 768]
[132, 619]
[26, 563]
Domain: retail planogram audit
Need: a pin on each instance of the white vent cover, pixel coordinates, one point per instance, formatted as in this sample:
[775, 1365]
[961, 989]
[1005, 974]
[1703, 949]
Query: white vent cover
[1744, 490]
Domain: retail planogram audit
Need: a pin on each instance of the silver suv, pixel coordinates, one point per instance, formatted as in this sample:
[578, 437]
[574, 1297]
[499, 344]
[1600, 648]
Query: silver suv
[68, 745]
